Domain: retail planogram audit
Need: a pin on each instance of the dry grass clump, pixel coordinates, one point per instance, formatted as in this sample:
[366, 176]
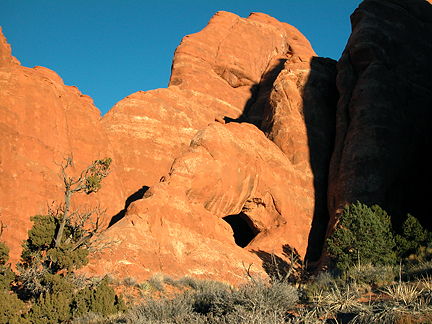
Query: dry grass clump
[258, 300]
[365, 294]
[205, 301]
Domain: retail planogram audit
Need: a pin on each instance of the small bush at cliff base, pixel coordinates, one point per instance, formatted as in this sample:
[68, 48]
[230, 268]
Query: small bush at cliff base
[205, 301]
[363, 235]
[64, 301]
[414, 238]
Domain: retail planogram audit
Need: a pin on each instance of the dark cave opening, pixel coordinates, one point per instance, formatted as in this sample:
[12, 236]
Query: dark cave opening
[243, 228]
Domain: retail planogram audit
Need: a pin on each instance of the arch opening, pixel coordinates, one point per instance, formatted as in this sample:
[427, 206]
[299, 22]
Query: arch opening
[243, 228]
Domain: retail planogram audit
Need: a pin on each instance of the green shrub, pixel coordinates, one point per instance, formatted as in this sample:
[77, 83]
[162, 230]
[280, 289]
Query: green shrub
[12, 309]
[51, 309]
[40, 246]
[371, 275]
[103, 300]
[414, 238]
[6, 274]
[6, 277]
[63, 301]
[363, 235]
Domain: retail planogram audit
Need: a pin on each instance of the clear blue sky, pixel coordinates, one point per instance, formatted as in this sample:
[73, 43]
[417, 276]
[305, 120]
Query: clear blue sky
[111, 48]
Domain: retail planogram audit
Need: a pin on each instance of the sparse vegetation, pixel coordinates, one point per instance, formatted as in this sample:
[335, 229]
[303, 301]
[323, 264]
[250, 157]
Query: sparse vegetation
[45, 289]
[327, 298]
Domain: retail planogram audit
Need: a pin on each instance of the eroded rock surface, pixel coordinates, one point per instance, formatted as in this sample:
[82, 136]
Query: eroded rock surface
[226, 179]
[227, 72]
[179, 228]
[6, 57]
[300, 119]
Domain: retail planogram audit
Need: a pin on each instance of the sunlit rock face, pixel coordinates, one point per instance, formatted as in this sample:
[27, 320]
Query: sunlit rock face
[383, 119]
[227, 178]
[41, 120]
[229, 171]
[219, 72]
[184, 189]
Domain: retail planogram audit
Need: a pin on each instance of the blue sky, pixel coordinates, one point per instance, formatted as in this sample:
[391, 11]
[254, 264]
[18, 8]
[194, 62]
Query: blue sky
[111, 48]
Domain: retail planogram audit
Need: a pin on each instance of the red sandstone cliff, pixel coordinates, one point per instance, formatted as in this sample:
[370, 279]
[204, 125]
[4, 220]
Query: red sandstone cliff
[218, 171]
[251, 150]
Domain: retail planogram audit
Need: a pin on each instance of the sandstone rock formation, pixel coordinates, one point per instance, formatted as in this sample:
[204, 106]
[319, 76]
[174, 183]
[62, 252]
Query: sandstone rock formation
[216, 73]
[6, 57]
[229, 170]
[41, 119]
[299, 118]
[384, 112]
[250, 151]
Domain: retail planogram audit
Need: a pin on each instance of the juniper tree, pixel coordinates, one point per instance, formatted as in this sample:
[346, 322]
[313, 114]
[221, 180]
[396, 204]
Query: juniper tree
[11, 308]
[413, 237]
[364, 235]
[61, 239]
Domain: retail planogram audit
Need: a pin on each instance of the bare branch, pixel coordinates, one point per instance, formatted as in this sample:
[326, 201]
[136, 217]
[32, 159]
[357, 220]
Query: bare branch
[291, 268]
[248, 271]
[2, 226]
[276, 267]
[89, 181]
[89, 224]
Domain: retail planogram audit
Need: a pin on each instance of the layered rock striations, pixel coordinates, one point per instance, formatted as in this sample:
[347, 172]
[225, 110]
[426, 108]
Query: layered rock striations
[229, 171]
[225, 179]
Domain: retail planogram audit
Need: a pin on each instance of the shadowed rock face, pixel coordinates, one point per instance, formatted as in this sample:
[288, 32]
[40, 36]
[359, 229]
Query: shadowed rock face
[299, 118]
[383, 132]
